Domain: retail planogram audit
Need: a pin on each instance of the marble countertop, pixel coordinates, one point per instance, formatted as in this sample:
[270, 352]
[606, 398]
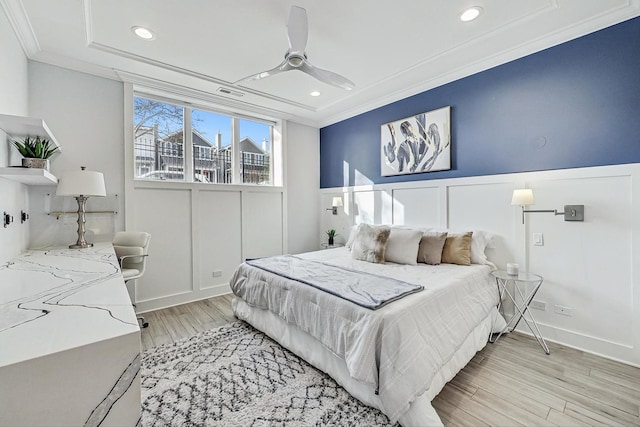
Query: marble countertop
[58, 299]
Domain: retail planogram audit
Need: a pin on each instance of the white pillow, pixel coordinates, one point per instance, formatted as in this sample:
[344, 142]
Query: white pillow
[402, 246]
[352, 236]
[479, 242]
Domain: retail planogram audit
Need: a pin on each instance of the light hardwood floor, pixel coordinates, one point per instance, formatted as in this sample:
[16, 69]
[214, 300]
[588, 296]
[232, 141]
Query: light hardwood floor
[506, 384]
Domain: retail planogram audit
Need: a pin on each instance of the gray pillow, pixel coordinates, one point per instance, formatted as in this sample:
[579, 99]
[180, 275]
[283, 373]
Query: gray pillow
[369, 243]
[431, 245]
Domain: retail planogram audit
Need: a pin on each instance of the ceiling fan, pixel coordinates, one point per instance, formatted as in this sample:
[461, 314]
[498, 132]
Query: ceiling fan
[296, 57]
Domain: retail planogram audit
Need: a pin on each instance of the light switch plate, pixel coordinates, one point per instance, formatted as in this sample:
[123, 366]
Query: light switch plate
[538, 239]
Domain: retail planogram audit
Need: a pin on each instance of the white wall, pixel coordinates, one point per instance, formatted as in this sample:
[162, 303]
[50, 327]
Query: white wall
[13, 101]
[303, 180]
[590, 267]
[85, 113]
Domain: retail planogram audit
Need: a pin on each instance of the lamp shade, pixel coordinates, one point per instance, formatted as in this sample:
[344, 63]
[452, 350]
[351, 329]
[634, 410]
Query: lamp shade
[337, 201]
[523, 197]
[81, 183]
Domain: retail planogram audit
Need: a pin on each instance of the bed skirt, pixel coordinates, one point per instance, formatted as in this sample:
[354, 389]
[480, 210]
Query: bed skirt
[420, 411]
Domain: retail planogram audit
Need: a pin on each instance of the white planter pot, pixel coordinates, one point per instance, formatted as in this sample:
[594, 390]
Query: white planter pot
[35, 163]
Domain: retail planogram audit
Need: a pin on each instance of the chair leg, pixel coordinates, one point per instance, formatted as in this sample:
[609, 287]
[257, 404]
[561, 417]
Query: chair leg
[143, 323]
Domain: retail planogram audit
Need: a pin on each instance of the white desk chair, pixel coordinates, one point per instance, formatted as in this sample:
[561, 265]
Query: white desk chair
[131, 248]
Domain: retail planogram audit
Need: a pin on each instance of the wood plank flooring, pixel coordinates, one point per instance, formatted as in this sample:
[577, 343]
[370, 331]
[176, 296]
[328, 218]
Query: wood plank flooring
[511, 383]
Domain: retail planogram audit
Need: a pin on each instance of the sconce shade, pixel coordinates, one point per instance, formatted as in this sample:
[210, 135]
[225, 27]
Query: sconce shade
[337, 201]
[523, 197]
[81, 183]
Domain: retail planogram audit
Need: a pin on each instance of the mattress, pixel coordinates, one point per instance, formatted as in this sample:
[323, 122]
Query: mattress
[396, 358]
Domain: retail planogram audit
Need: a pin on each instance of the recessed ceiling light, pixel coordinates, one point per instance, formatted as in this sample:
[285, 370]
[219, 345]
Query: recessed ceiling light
[470, 14]
[315, 93]
[143, 33]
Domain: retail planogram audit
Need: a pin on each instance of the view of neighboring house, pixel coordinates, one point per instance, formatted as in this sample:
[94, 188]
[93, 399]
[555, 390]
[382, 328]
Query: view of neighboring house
[163, 158]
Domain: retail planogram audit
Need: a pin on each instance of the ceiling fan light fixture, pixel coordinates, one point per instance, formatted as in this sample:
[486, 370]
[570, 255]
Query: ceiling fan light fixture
[295, 60]
[470, 14]
[143, 33]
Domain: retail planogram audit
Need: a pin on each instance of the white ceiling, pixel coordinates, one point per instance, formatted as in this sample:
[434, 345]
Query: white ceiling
[389, 49]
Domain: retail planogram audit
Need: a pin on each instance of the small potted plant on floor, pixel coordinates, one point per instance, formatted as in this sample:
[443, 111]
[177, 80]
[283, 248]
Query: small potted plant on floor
[35, 152]
[331, 233]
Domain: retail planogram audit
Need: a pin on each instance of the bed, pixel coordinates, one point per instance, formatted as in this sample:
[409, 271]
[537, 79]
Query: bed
[395, 358]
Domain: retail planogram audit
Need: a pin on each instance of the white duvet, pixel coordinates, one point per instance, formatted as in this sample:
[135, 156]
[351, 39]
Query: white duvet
[398, 348]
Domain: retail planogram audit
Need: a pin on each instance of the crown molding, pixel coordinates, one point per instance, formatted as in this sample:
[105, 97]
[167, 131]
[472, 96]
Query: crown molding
[21, 25]
[606, 19]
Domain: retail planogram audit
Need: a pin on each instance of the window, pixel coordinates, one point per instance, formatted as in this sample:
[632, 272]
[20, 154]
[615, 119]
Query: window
[212, 143]
[213, 140]
[158, 126]
[256, 152]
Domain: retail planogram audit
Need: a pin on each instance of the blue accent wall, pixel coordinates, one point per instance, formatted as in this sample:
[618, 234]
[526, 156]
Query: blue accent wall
[573, 105]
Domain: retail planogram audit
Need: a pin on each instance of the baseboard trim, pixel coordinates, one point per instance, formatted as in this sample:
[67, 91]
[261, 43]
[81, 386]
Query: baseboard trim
[184, 298]
[592, 345]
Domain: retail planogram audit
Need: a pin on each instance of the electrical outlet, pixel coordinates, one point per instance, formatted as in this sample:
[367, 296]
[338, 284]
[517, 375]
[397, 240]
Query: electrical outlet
[538, 305]
[565, 311]
[217, 273]
[538, 239]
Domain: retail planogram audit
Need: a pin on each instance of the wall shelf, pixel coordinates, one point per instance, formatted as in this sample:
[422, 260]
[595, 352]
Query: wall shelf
[17, 126]
[29, 176]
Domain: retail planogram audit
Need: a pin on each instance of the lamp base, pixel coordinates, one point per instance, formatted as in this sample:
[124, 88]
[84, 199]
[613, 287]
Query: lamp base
[81, 243]
[81, 246]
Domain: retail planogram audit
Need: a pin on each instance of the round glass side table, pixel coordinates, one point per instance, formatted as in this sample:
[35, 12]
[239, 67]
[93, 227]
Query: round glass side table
[328, 246]
[519, 283]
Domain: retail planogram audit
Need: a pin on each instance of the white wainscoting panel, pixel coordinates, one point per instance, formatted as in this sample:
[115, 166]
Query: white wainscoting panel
[218, 238]
[373, 207]
[416, 206]
[587, 265]
[263, 228]
[162, 212]
[485, 206]
[590, 268]
[341, 222]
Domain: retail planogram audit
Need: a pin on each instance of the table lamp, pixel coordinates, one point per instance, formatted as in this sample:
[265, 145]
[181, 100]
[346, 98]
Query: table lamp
[81, 184]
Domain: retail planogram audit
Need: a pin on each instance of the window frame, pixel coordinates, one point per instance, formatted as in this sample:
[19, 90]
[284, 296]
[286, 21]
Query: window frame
[276, 165]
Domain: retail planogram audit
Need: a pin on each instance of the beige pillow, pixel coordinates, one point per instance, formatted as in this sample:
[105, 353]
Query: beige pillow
[431, 245]
[369, 243]
[402, 246]
[457, 249]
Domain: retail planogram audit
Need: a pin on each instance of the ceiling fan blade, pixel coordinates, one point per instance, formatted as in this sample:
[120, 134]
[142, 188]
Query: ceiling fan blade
[327, 76]
[284, 66]
[298, 29]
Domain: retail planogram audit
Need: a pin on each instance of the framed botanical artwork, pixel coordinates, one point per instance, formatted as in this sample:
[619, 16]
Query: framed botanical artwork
[420, 143]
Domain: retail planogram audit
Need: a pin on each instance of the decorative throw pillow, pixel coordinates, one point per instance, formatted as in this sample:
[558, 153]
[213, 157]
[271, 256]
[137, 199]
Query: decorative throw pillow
[352, 236]
[402, 246]
[479, 242]
[457, 249]
[431, 245]
[369, 243]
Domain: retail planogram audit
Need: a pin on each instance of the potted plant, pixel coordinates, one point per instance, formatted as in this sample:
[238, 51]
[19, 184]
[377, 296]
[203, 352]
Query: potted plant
[35, 152]
[331, 233]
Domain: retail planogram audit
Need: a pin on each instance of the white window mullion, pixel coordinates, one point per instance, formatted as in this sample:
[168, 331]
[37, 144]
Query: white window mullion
[270, 153]
[188, 146]
[235, 151]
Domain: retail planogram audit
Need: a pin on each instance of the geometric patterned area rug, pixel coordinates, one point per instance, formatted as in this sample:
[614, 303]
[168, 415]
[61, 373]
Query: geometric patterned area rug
[237, 376]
